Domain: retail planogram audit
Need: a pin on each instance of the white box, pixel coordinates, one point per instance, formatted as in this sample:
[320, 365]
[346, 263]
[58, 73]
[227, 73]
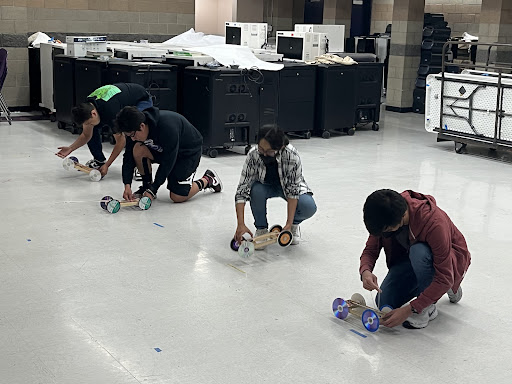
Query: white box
[252, 35]
[303, 46]
[335, 34]
[78, 46]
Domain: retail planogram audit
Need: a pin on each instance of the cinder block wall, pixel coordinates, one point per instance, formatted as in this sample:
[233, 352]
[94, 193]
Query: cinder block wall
[462, 15]
[156, 20]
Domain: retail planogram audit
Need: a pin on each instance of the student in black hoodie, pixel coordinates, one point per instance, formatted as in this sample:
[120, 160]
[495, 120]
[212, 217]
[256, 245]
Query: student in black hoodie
[169, 139]
[100, 110]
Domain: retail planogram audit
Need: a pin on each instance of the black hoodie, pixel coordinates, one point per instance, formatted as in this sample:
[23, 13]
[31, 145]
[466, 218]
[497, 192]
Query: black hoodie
[171, 131]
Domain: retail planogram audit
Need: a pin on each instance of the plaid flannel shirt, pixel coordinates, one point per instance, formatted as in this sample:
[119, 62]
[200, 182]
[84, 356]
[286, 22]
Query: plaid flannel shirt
[290, 174]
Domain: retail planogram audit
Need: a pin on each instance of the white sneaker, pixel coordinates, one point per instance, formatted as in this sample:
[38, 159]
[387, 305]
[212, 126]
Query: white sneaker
[420, 320]
[136, 175]
[296, 234]
[261, 232]
[455, 297]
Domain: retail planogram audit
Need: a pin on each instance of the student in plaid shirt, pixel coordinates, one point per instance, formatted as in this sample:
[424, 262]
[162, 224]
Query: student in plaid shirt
[273, 169]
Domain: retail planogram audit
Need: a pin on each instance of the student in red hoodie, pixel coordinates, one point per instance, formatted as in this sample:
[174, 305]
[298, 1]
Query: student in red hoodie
[426, 255]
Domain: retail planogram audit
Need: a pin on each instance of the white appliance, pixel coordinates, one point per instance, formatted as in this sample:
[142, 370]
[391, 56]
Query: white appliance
[302, 46]
[48, 51]
[78, 46]
[252, 35]
[131, 53]
[192, 59]
[267, 55]
[335, 34]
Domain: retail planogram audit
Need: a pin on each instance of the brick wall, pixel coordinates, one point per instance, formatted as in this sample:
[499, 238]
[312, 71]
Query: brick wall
[157, 20]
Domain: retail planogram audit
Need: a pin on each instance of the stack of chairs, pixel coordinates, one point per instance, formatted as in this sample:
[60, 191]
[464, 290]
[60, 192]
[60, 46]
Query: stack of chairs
[3, 74]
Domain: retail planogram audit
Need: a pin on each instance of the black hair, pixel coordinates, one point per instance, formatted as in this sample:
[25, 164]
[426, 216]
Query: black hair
[275, 137]
[82, 112]
[383, 208]
[129, 119]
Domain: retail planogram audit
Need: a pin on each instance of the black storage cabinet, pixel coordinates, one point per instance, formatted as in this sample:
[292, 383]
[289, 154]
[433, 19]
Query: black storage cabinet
[90, 74]
[64, 90]
[34, 75]
[160, 80]
[346, 96]
[223, 104]
[287, 98]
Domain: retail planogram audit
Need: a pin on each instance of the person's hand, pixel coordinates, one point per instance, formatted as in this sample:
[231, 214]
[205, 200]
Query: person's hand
[240, 231]
[127, 194]
[370, 281]
[396, 316]
[103, 170]
[147, 194]
[64, 152]
[287, 227]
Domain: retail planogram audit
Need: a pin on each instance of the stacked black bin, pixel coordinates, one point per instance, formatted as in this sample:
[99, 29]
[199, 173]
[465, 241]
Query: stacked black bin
[223, 104]
[435, 34]
[160, 80]
[64, 90]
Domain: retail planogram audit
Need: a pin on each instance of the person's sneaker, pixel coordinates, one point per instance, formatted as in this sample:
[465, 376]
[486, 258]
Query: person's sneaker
[420, 320]
[94, 164]
[261, 232]
[214, 182]
[139, 192]
[296, 234]
[455, 297]
[136, 175]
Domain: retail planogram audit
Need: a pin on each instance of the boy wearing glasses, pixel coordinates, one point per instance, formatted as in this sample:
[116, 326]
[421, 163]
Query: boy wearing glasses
[274, 169]
[100, 111]
[166, 138]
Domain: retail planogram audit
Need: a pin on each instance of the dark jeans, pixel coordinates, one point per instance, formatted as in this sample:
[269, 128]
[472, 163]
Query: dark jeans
[408, 279]
[95, 144]
[260, 193]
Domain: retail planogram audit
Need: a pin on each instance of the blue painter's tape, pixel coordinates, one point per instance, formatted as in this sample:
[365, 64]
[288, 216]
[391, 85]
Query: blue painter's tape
[29, 240]
[158, 350]
[158, 225]
[357, 333]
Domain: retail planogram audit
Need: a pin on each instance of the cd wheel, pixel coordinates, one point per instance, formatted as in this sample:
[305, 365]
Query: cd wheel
[340, 308]
[370, 320]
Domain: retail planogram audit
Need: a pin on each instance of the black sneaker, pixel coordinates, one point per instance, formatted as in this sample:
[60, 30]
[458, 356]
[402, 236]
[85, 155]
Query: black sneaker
[139, 192]
[137, 176]
[94, 164]
[214, 182]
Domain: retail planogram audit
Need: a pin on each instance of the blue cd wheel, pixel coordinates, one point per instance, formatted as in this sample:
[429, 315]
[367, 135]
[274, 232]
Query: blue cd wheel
[234, 245]
[340, 308]
[105, 201]
[74, 159]
[370, 320]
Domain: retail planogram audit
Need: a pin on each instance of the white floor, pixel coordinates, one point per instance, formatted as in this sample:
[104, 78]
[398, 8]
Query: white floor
[86, 296]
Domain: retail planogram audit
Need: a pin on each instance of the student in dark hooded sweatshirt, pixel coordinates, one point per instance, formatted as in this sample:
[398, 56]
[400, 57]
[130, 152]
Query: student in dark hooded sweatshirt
[427, 256]
[169, 139]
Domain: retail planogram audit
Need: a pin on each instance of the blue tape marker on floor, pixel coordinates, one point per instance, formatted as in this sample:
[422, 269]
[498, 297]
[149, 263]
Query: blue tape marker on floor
[158, 225]
[158, 350]
[29, 240]
[357, 333]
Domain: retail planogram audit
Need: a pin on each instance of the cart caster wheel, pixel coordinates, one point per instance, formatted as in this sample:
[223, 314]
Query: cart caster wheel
[212, 153]
[326, 134]
[285, 238]
[247, 149]
[61, 125]
[460, 148]
[104, 201]
[340, 308]
[375, 127]
[53, 118]
[351, 131]
[233, 244]
[276, 228]
[307, 135]
[370, 320]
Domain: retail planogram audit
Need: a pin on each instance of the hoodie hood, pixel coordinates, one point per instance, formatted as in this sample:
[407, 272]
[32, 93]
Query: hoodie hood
[421, 210]
[152, 116]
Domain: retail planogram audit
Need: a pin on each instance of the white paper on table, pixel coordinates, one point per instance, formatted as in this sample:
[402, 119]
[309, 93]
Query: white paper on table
[228, 55]
[192, 38]
[37, 38]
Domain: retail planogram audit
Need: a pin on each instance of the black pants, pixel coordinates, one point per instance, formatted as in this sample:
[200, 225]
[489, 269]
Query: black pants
[95, 145]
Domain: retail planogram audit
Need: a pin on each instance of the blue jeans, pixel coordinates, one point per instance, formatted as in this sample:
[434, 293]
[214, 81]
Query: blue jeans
[95, 144]
[408, 279]
[260, 193]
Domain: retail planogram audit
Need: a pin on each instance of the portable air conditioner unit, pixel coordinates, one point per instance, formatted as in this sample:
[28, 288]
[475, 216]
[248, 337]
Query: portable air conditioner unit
[304, 46]
[78, 46]
[335, 34]
[252, 35]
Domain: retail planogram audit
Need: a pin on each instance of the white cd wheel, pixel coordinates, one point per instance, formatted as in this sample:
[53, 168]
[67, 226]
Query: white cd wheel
[68, 164]
[386, 309]
[144, 203]
[358, 298]
[95, 175]
[246, 249]
[113, 206]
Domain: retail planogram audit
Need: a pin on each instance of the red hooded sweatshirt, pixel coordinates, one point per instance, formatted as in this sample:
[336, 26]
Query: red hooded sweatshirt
[427, 224]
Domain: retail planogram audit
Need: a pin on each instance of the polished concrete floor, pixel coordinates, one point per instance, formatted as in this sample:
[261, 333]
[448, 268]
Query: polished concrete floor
[90, 297]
